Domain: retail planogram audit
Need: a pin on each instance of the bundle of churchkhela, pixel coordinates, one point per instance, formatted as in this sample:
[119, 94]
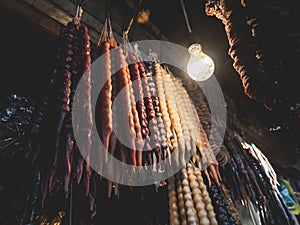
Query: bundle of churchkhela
[212, 132]
[254, 183]
[184, 133]
[189, 201]
[222, 203]
[52, 146]
[249, 33]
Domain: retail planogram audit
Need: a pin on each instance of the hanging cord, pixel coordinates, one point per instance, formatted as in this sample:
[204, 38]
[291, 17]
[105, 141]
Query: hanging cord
[153, 56]
[129, 26]
[112, 39]
[107, 31]
[132, 19]
[78, 14]
[186, 16]
[104, 34]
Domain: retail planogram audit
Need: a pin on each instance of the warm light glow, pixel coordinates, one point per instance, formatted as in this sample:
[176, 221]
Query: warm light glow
[200, 66]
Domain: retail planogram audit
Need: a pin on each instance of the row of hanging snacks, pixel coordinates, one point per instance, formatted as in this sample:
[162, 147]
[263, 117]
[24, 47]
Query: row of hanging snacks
[51, 142]
[162, 124]
[253, 182]
[189, 201]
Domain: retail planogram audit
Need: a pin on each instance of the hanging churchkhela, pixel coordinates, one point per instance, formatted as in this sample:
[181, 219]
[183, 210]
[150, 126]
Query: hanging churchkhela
[162, 118]
[254, 183]
[189, 201]
[189, 198]
[254, 40]
[242, 49]
[51, 142]
[158, 115]
[184, 132]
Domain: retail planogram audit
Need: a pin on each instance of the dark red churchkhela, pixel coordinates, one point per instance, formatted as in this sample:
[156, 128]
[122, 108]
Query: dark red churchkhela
[52, 136]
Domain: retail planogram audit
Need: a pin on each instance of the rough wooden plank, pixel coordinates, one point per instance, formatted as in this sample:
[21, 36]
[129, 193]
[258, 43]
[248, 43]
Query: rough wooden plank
[119, 19]
[34, 16]
[65, 15]
[51, 10]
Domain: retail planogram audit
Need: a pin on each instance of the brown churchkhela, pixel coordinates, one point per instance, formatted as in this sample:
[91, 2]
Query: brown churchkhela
[86, 104]
[127, 118]
[132, 71]
[105, 108]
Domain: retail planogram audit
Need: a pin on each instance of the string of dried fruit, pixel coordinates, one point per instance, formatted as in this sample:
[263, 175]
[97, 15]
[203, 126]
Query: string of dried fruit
[194, 124]
[243, 50]
[233, 210]
[57, 108]
[171, 138]
[206, 198]
[198, 98]
[139, 144]
[251, 181]
[85, 102]
[127, 116]
[205, 152]
[169, 90]
[191, 124]
[197, 197]
[185, 110]
[193, 201]
[66, 152]
[62, 81]
[221, 206]
[212, 163]
[69, 146]
[121, 114]
[185, 121]
[115, 148]
[274, 200]
[54, 152]
[105, 109]
[173, 202]
[209, 159]
[72, 155]
[158, 115]
[181, 205]
[140, 106]
[189, 203]
[155, 136]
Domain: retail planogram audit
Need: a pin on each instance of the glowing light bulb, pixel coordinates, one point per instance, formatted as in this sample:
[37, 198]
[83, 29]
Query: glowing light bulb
[200, 66]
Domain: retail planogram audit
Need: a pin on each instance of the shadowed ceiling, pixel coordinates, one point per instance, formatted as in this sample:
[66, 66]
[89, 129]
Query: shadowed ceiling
[29, 46]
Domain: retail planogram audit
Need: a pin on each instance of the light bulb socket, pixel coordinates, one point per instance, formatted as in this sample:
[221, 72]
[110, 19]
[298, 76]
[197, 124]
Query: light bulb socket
[195, 49]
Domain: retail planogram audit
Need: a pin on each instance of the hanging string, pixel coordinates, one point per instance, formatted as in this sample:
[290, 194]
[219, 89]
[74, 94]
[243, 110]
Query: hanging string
[185, 16]
[103, 33]
[132, 19]
[129, 26]
[78, 14]
[153, 56]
